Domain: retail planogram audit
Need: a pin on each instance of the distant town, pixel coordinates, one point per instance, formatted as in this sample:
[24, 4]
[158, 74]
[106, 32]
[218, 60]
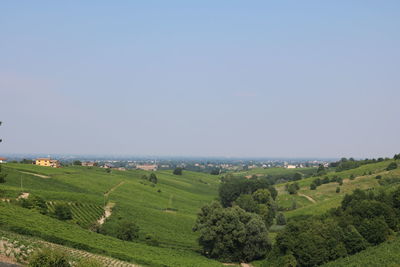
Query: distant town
[207, 165]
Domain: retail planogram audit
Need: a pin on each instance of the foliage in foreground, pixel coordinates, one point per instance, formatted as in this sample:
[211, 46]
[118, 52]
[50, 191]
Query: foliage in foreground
[364, 219]
[231, 234]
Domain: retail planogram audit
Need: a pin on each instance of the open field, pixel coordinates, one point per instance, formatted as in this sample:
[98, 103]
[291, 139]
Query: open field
[135, 199]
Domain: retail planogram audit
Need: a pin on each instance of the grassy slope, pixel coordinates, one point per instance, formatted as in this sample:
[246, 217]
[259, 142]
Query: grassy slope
[386, 254]
[325, 196]
[135, 199]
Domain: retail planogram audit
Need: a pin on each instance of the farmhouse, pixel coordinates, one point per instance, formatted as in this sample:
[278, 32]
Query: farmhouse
[147, 167]
[48, 162]
[89, 163]
[3, 160]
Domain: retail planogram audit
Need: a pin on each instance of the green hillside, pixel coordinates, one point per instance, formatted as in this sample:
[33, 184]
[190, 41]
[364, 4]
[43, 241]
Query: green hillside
[313, 202]
[165, 211]
[386, 254]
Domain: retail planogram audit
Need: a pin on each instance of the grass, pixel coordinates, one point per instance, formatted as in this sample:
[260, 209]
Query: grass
[325, 196]
[166, 210]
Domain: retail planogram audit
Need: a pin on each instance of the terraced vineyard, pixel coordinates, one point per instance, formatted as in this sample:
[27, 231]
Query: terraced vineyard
[82, 213]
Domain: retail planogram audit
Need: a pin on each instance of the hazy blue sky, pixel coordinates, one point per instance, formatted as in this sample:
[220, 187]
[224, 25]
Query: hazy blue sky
[211, 78]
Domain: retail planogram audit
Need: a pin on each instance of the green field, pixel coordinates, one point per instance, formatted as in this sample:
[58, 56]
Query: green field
[165, 211]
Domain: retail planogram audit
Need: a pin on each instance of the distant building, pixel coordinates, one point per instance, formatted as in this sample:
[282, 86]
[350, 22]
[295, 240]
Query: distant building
[89, 163]
[47, 162]
[291, 166]
[3, 160]
[147, 167]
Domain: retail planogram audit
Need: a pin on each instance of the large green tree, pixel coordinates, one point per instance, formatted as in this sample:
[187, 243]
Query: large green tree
[231, 234]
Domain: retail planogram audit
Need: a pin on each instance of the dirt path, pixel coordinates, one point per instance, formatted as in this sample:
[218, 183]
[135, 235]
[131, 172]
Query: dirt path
[113, 188]
[107, 212]
[36, 174]
[246, 265]
[109, 206]
[308, 197]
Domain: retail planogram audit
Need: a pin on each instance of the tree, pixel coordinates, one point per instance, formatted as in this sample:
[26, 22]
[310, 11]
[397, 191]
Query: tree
[293, 188]
[374, 230]
[215, 171]
[63, 212]
[321, 169]
[153, 178]
[127, 230]
[280, 219]
[353, 240]
[391, 166]
[77, 163]
[2, 175]
[39, 204]
[231, 234]
[178, 171]
[313, 186]
[26, 161]
[247, 203]
[338, 189]
[297, 176]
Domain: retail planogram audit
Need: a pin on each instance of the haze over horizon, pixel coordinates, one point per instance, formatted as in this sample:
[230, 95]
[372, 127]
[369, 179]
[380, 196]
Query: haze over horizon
[227, 78]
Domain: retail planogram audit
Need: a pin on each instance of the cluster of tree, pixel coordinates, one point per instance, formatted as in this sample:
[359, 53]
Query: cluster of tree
[318, 181]
[26, 161]
[232, 187]
[123, 229]
[62, 211]
[363, 219]
[391, 166]
[178, 171]
[215, 171]
[231, 234]
[2, 175]
[348, 164]
[292, 188]
[236, 229]
[396, 157]
[152, 178]
[34, 202]
[259, 202]
[288, 177]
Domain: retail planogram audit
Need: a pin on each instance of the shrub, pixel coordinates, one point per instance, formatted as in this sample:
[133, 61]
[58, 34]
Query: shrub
[62, 212]
[391, 166]
[127, 230]
[178, 171]
[153, 178]
[280, 219]
[151, 240]
[49, 258]
[313, 186]
[338, 189]
[378, 177]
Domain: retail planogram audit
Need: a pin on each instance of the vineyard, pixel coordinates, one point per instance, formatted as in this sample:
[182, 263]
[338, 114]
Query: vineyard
[83, 214]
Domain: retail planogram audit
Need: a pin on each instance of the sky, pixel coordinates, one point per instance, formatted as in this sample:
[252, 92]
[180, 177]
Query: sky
[200, 78]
